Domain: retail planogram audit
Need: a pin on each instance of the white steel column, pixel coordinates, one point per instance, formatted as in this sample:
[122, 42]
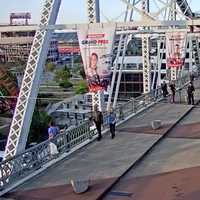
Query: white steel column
[30, 85]
[121, 49]
[190, 53]
[197, 54]
[173, 10]
[98, 100]
[93, 11]
[146, 64]
[125, 39]
[173, 73]
[159, 60]
[115, 68]
[145, 53]
[173, 70]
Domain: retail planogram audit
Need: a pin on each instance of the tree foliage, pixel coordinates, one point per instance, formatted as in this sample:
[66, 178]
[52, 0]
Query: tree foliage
[81, 87]
[62, 76]
[39, 126]
[65, 84]
[50, 66]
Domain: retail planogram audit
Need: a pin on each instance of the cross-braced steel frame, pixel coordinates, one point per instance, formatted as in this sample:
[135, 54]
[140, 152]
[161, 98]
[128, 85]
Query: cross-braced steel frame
[30, 85]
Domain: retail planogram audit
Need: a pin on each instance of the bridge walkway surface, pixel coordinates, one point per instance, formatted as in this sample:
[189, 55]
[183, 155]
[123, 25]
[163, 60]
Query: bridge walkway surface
[145, 153]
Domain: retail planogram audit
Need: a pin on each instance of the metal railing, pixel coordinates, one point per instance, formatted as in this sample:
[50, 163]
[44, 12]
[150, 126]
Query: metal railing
[24, 164]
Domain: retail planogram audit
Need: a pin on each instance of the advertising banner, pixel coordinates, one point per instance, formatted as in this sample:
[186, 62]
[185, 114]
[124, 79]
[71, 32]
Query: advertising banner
[96, 42]
[175, 49]
[68, 50]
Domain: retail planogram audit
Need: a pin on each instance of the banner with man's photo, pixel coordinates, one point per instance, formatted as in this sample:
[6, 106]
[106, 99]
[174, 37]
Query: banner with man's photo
[176, 49]
[96, 42]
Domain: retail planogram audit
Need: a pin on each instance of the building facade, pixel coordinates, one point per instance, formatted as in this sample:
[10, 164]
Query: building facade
[16, 42]
[131, 84]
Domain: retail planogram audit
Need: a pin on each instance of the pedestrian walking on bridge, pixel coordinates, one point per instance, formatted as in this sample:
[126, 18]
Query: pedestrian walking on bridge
[97, 118]
[190, 93]
[112, 122]
[164, 89]
[173, 91]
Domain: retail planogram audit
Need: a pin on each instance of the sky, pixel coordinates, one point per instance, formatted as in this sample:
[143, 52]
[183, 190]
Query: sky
[71, 11]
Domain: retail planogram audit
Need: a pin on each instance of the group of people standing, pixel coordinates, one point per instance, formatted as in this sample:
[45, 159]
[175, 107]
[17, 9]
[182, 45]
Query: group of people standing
[172, 86]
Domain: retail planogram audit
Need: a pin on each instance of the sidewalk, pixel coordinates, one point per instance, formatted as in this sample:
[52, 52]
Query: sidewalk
[177, 185]
[104, 161]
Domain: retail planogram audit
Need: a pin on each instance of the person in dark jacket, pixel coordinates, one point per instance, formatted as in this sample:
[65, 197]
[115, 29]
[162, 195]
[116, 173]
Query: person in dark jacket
[191, 77]
[164, 89]
[173, 91]
[190, 93]
[111, 120]
[97, 117]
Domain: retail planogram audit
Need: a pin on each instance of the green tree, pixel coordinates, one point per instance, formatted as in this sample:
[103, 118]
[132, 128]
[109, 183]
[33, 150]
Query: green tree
[39, 126]
[81, 87]
[61, 75]
[50, 66]
[65, 84]
[66, 68]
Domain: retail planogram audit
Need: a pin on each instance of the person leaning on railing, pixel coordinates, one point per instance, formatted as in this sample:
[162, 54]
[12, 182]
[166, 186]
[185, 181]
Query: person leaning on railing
[52, 132]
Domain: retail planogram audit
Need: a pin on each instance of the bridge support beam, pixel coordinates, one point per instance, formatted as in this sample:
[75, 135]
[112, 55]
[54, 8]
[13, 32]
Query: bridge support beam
[145, 52]
[30, 85]
[93, 11]
[173, 18]
[146, 64]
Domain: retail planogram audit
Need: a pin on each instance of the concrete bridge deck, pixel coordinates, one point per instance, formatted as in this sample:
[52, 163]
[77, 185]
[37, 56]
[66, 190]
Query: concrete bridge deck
[105, 161]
